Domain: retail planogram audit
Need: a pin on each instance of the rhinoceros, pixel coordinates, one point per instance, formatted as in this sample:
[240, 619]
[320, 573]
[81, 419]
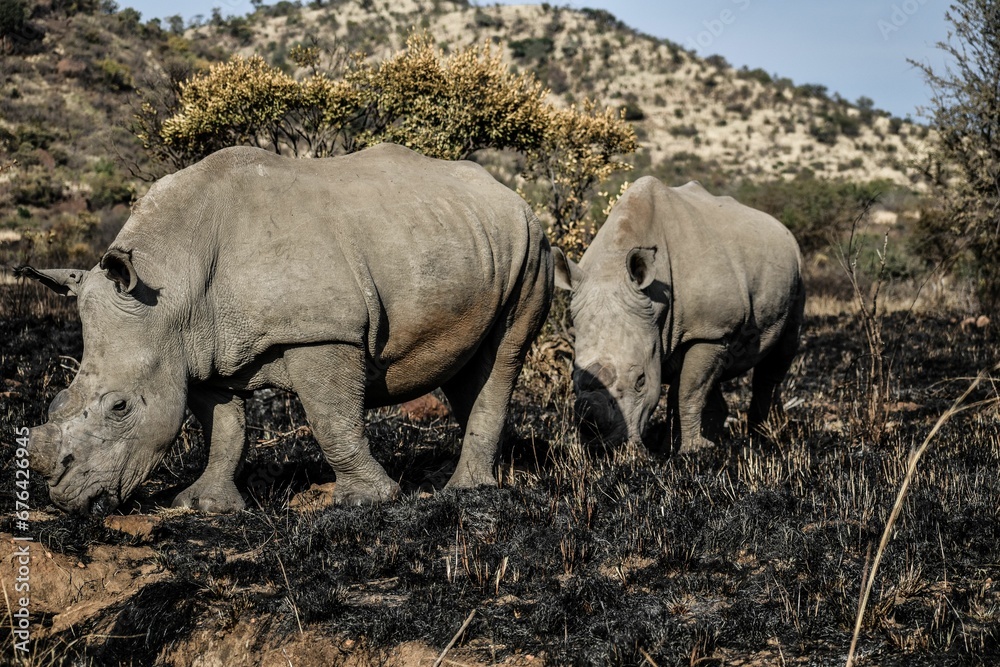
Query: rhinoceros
[354, 281]
[682, 288]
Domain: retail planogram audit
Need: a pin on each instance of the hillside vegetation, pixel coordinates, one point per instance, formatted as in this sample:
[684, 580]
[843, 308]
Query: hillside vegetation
[69, 95]
[748, 122]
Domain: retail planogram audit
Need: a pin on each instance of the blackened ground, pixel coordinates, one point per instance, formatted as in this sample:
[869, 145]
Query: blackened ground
[754, 551]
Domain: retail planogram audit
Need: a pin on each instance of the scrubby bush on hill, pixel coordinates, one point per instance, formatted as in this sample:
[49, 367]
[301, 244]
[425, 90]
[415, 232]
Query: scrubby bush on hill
[446, 107]
[817, 211]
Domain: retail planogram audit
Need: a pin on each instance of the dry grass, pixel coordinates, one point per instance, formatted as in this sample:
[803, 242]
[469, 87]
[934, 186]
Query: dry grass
[581, 557]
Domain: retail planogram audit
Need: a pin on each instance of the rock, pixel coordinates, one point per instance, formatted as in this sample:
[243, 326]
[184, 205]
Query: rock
[426, 408]
[316, 497]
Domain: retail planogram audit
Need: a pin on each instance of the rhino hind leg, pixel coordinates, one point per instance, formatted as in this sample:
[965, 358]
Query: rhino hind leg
[222, 418]
[768, 375]
[481, 392]
[330, 383]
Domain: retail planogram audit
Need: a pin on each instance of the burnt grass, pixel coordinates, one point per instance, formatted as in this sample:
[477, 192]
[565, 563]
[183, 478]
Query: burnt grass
[755, 550]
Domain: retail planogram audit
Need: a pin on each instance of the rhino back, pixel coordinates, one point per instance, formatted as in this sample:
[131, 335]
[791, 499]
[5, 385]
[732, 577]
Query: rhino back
[726, 264]
[383, 248]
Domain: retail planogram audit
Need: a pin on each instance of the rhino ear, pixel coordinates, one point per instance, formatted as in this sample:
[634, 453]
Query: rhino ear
[640, 265]
[118, 266]
[568, 274]
[66, 282]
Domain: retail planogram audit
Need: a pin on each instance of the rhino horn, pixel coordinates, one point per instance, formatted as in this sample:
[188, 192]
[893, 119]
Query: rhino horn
[66, 282]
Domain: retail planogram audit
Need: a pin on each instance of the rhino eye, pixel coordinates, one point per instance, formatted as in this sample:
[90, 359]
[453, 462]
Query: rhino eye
[640, 382]
[119, 406]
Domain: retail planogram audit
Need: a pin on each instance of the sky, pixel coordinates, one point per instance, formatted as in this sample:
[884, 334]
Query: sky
[856, 48]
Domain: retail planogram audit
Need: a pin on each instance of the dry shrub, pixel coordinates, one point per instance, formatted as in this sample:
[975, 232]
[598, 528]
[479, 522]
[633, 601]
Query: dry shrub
[443, 106]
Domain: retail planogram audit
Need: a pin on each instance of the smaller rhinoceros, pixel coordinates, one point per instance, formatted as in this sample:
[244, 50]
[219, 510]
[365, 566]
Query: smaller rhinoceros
[354, 281]
[683, 288]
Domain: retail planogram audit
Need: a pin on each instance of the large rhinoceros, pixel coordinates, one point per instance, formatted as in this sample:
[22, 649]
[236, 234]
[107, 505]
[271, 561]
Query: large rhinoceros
[682, 288]
[354, 281]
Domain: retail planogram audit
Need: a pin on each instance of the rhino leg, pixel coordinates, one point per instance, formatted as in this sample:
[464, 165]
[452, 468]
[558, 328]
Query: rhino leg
[713, 420]
[768, 375]
[330, 382]
[701, 369]
[222, 419]
[480, 394]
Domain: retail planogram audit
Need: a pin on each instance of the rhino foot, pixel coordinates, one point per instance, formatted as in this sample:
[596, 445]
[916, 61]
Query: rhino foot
[694, 444]
[364, 493]
[215, 499]
[466, 479]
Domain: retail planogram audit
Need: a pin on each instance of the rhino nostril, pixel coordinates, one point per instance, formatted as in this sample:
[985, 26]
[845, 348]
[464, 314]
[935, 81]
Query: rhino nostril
[101, 504]
[58, 402]
[67, 460]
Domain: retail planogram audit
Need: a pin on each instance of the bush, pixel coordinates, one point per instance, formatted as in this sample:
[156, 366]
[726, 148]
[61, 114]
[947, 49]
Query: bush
[816, 211]
[108, 187]
[442, 107]
[813, 90]
[533, 48]
[632, 112]
[825, 133]
[36, 188]
[757, 74]
[115, 75]
[718, 62]
[484, 20]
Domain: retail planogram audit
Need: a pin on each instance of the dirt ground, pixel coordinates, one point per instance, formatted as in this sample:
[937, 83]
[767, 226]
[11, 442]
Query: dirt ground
[750, 554]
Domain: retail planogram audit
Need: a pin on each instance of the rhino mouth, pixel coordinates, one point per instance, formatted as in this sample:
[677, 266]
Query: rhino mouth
[93, 499]
[599, 421]
[102, 504]
[98, 505]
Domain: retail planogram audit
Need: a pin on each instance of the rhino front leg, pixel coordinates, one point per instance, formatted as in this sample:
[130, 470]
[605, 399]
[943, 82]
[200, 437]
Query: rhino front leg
[330, 382]
[699, 377]
[223, 420]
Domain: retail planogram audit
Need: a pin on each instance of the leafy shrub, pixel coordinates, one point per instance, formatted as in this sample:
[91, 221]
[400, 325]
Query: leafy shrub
[683, 130]
[825, 132]
[604, 19]
[36, 187]
[13, 22]
[115, 75]
[484, 20]
[817, 211]
[533, 48]
[758, 74]
[718, 62]
[814, 90]
[632, 112]
[108, 187]
[442, 107]
[35, 135]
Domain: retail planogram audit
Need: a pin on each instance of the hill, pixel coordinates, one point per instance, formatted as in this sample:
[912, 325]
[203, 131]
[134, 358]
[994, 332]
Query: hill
[70, 87]
[746, 123]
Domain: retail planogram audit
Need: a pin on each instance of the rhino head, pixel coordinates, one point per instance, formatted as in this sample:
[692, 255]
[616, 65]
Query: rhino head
[617, 310]
[113, 424]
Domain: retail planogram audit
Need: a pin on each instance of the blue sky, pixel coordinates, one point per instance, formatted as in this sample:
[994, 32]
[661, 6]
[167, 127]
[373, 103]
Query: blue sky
[853, 47]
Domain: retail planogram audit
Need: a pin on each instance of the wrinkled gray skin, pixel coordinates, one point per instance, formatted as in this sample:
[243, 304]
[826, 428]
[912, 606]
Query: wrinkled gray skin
[355, 281]
[686, 289]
